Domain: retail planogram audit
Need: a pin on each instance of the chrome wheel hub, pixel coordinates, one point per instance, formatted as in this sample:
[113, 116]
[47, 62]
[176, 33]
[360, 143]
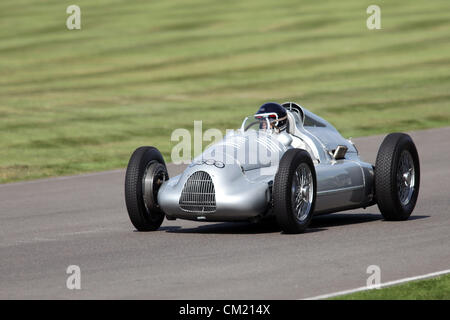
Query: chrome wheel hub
[150, 186]
[302, 192]
[405, 178]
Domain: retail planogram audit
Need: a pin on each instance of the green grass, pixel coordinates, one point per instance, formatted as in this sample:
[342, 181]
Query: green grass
[83, 100]
[429, 289]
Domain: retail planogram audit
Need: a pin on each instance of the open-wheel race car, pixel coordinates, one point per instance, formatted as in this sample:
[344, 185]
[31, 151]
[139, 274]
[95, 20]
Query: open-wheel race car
[284, 162]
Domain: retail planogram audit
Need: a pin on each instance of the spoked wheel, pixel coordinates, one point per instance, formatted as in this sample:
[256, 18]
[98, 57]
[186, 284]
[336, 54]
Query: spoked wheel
[146, 172]
[397, 177]
[294, 191]
[406, 178]
[302, 192]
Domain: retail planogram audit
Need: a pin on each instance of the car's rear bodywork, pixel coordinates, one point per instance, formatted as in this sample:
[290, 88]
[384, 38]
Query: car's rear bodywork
[231, 181]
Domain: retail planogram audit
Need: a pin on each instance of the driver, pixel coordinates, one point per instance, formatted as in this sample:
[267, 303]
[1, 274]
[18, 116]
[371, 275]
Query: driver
[274, 114]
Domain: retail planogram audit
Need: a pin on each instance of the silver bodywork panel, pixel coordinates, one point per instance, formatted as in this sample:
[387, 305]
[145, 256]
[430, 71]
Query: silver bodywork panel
[237, 179]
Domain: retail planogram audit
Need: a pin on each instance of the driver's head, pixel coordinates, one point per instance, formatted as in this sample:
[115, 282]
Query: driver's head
[276, 115]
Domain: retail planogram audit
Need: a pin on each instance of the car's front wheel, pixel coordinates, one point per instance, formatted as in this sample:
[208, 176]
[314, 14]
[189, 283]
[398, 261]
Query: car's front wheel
[146, 172]
[397, 177]
[294, 191]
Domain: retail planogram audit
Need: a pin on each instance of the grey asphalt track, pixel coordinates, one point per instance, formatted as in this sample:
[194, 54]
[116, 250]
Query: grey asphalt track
[47, 225]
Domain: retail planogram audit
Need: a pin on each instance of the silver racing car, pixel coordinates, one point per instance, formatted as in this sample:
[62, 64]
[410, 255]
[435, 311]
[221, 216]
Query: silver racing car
[283, 162]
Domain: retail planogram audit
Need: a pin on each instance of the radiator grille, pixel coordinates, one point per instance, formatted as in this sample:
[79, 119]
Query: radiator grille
[198, 195]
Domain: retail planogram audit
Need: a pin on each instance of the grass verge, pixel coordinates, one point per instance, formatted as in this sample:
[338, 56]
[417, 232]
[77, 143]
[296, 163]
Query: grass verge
[428, 289]
[83, 100]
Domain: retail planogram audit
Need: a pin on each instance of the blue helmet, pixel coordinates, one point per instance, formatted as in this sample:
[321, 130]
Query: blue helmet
[276, 114]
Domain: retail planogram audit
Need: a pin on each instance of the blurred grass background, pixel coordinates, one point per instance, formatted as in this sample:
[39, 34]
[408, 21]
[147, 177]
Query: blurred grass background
[83, 100]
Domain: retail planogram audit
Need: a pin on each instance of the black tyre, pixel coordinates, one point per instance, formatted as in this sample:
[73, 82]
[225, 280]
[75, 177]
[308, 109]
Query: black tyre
[397, 177]
[145, 173]
[294, 191]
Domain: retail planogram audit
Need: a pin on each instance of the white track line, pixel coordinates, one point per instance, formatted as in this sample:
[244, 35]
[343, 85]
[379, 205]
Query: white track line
[382, 285]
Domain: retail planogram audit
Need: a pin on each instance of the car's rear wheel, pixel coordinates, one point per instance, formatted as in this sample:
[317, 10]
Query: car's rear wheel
[145, 173]
[397, 177]
[294, 191]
